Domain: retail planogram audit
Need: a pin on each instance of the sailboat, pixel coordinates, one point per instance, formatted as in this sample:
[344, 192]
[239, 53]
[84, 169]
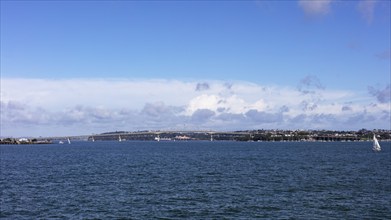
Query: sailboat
[119, 138]
[376, 146]
[69, 141]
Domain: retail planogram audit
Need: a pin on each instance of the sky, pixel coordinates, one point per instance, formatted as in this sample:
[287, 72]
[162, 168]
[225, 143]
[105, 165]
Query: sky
[87, 67]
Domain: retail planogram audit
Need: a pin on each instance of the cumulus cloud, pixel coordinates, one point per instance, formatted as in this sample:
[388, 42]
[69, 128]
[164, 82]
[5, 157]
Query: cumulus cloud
[310, 87]
[308, 106]
[367, 8]
[315, 7]
[202, 86]
[202, 115]
[362, 117]
[155, 109]
[20, 113]
[384, 55]
[309, 84]
[231, 117]
[107, 93]
[264, 117]
[382, 95]
[84, 106]
[14, 105]
[346, 108]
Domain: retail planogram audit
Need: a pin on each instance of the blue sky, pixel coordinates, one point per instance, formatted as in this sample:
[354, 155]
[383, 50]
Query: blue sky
[324, 54]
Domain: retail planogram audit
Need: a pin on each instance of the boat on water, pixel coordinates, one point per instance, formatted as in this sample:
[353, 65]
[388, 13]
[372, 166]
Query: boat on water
[158, 138]
[61, 142]
[119, 138]
[376, 146]
[69, 141]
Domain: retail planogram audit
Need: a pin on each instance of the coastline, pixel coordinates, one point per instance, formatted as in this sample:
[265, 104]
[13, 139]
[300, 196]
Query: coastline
[244, 136]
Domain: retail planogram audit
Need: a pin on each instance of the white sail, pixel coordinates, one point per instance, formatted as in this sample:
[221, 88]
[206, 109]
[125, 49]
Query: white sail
[376, 146]
[119, 138]
[69, 141]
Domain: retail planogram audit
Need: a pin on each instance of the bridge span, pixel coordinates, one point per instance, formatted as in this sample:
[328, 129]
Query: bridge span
[150, 135]
[211, 135]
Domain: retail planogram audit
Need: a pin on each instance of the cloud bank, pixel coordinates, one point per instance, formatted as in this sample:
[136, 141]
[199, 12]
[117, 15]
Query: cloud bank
[41, 107]
[367, 8]
[315, 7]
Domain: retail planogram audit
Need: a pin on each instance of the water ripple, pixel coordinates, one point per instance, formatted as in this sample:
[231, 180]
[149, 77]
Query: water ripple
[195, 180]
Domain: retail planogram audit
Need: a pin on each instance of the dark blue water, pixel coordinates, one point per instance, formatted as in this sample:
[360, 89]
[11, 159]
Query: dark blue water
[200, 180]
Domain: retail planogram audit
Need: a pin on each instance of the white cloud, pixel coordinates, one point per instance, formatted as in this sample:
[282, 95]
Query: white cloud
[382, 95]
[85, 106]
[384, 55]
[108, 93]
[315, 7]
[367, 8]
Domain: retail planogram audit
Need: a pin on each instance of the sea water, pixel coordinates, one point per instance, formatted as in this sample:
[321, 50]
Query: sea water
[196, 180]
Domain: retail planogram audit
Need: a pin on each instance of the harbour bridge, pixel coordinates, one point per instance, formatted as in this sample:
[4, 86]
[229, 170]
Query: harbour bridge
[203, 135]
[151, 135]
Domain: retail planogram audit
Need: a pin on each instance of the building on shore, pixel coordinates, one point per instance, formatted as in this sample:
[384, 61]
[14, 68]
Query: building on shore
[24, 141]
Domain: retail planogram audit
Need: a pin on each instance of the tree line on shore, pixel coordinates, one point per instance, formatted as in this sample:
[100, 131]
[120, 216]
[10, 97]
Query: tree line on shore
[248, 135]
[24, 141]
[243, 135]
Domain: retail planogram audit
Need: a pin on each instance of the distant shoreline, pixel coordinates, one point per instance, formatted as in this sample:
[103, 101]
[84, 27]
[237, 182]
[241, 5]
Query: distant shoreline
[13, 141]
[270, 135]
